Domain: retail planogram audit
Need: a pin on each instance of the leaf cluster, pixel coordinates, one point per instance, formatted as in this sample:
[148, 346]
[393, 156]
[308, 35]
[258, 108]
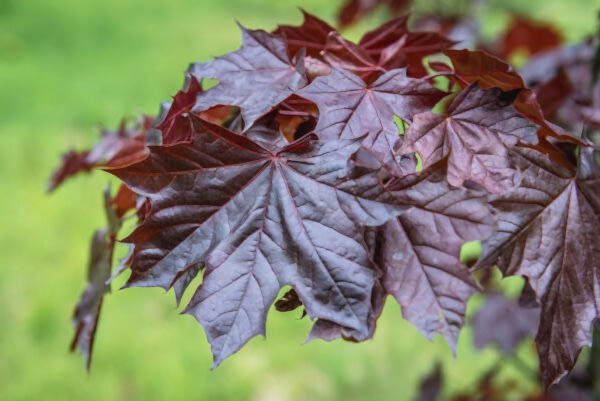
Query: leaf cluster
[291, 171]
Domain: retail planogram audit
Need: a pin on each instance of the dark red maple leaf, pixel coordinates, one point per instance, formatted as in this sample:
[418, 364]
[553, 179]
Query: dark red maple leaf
[175, 125]
[126, 145]
[343, 54]
[485, 69]
[174, 122]
[258, 220]
[383, 49]
[489, 72]
[548, 233]
[421, 251]
[87, 311]
[311, 35]
[476, 134]
[349, 108]
[72, 163]
[394, 45]
[255, 78]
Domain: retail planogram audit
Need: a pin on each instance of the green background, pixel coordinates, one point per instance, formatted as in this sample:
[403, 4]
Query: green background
[66, 69]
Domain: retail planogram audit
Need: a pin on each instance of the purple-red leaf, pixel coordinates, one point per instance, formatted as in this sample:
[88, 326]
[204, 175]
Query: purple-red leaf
[311, 35]
[421, 251]
[480, 128]
[255, 78]
[72, 163]
[258, 220]
[548, 233]
[125, 146]
[349, 108]
[175, 125]
[485, 69]
[393, 45]
[87, 312]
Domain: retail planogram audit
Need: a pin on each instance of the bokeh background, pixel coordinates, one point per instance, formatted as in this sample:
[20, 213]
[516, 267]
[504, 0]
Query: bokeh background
[69, 67]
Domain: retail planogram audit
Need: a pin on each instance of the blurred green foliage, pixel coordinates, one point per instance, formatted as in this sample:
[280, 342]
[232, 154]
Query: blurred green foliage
[66, 68]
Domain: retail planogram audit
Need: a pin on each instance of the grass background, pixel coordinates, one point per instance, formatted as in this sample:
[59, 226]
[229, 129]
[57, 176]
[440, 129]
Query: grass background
[68, 66]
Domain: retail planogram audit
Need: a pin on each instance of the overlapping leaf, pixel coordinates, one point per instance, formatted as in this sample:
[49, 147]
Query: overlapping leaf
[258, 220]
[383, 49]
[480, 128]
[489, 72]
[394, 45]
[418, 253]
[311, 36]
[421, 251]
[548, 233]
[349, 109]
[255, 78]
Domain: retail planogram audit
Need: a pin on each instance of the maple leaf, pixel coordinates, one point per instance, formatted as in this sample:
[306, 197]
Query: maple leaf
[485, 69]
[258, 220]
[548, 234]
[174, 122]
[489, 72]
[311, 35]
[385, 48]
[421, 251]
[342, 54]
[175, 125]
[87, 311]
[125, 146]
[255, 78]
[72, 163]
[419, 255]
[475, 135]
[504, 322]
[394, 45]
[349, 108]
